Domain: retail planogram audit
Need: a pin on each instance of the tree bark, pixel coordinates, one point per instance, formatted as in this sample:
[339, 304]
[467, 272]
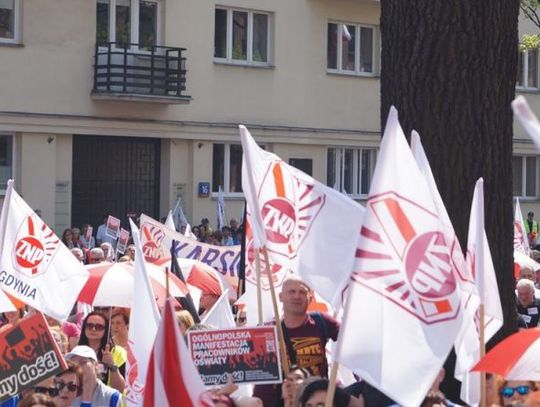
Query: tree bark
[450, 69]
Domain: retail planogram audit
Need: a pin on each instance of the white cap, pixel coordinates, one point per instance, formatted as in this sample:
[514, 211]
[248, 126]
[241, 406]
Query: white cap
[82, 351]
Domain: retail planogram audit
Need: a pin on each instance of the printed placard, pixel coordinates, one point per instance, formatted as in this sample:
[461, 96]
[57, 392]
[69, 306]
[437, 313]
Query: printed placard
[113, 227]
[250, 355]
[122, 241]
[29, 355]
[88, 234]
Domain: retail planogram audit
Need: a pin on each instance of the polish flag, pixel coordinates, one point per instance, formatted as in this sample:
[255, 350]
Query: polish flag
[143, 326]
[172, 379]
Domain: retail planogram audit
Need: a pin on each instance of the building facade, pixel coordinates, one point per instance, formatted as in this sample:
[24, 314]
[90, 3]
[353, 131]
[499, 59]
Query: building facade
[123, 106]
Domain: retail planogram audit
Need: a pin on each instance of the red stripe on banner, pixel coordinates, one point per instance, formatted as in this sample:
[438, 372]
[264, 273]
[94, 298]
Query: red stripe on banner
[402, 222]
[370, 234]
[278, 181]
[443, 306]
[30, 226]
[364, 254]
[376, 274]
[309, 188]
[150, 382]
[89, 291]
[312, 203]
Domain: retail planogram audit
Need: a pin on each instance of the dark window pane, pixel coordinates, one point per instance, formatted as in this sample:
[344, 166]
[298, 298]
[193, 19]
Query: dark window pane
[7, 19]
[331, 167]
[220, 34]
[303, 164]
[530, 180]
[218, 165]
[239, 35]
[147, 24]
[519, 81]
[366, 49]
[367, 165]
[348, 175]
[123, 23]
[6, 162]
[235, 173]
[348, 48]
[517, 178]
[532, 74]
[260, 37]
[331, 47]
[102, 21]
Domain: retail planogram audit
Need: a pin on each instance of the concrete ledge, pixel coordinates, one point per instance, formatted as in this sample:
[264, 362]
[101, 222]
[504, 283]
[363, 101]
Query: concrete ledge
[136, 97]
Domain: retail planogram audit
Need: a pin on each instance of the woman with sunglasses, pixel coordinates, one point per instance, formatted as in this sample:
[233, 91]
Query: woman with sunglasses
[95, 334]
[68, 385]
[514, 392]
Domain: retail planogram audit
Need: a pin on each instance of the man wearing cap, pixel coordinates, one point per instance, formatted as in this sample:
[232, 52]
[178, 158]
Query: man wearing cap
[94, 392]
[531, 227]
[306, 335]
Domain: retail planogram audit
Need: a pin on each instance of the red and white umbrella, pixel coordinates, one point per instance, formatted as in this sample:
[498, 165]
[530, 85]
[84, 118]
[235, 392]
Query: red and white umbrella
[515, 358]
[111, 284]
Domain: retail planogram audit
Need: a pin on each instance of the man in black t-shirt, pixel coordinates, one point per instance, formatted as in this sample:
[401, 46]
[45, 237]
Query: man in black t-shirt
[306, 335]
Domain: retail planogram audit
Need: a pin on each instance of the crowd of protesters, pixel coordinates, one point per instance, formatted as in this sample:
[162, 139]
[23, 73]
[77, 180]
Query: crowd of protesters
[95, 346]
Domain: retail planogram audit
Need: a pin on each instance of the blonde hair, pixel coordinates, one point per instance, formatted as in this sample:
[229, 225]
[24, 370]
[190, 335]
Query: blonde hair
[185, 318]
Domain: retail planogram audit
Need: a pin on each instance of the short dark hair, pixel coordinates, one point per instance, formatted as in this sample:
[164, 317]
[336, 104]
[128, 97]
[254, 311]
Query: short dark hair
[341, 398]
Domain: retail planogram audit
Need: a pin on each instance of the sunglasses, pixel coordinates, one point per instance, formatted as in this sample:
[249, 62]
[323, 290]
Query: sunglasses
[509, 391]
[95, 327]
[71, 386]
[51, 391]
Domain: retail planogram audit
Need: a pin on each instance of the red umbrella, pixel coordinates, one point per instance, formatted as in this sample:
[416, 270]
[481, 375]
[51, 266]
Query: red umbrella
[111, 284]
[515, 358]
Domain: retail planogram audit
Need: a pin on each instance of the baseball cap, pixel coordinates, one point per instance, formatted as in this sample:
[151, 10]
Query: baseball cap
[82, 351]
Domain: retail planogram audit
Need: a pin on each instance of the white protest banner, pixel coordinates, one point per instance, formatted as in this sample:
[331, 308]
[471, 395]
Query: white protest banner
[35, 266]
[123, 240]
[113, 227]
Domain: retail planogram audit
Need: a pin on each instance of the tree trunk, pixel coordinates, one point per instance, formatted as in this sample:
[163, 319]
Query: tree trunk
[450, 69]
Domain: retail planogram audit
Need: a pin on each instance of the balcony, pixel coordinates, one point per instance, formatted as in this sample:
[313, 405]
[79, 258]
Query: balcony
[154, 75]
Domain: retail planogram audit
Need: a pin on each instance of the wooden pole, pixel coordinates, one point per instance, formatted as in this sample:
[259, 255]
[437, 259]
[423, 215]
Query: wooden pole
[259, 286]
[167, 281]
[483, 401]
[329, 402]
[283, 350]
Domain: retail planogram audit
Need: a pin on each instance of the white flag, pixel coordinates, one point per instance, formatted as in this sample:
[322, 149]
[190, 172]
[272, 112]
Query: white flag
[403, 307]
[169, 222]
[527, 119]
[143, 326]
[521, 241]
[36, 267]
[5, 303]
[300, 221]
[178, 216]
[481, 265]
[220, 315]
[189, 234]
[220, 209]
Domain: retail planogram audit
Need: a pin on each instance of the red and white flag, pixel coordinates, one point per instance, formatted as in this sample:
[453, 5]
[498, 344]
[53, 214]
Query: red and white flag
[403, 309]
[143, 326]
[172, 378]
[299, 221]
[36, 267]
[481, 265]
[521, 241]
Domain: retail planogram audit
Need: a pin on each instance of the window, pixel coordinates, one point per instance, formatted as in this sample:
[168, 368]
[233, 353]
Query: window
[242, 37]
[128, 21]
[350, 169]
[227, 168]
[528, 69]
[303, 164]
[524, 176]
[6, 160]
[9, 21]
[350, 48]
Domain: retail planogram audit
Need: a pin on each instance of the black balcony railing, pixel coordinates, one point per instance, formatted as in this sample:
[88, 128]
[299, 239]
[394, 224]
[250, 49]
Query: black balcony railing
[125, 69]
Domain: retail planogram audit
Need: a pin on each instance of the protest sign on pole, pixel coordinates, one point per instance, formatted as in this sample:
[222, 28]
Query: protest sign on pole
[122, 241]
[29, 355]
[250, 355]
[113, 227]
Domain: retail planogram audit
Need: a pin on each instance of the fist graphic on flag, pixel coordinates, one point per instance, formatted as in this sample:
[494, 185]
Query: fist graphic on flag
[35, 245]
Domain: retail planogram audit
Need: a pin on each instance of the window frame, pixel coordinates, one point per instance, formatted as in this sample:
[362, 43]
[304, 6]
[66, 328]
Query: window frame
[524, 57]
[339, 169]
[249, 51]
[226, 171]
[339, 50]
[13, 152]
[133, 23]
[17, 23]
[523, 193]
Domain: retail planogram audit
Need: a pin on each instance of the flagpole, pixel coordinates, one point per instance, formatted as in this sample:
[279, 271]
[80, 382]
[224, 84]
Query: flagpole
[167, 281]
[482, 354]
[283, 352]
[259, 286]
